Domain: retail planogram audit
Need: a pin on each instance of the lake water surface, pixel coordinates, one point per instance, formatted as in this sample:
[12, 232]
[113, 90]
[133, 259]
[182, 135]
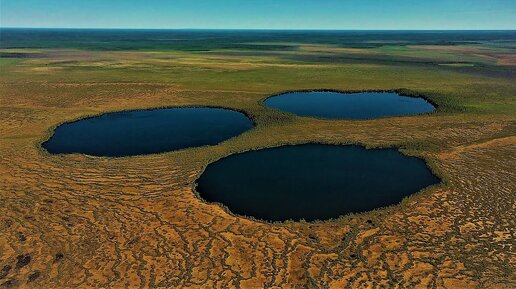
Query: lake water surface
[337, 105]
[312, 181]
[140, 132]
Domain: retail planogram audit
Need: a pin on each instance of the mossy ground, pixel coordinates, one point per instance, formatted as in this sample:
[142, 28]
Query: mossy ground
[136, 221]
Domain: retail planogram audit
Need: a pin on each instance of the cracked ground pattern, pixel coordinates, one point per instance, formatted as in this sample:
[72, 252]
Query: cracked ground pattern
[75, 221]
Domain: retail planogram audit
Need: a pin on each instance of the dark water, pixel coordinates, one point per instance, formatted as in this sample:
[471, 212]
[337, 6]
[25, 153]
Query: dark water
[312, 181]
[363, 105]
[147, 131]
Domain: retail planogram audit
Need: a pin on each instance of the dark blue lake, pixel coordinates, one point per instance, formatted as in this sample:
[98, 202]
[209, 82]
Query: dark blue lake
[147, 131]
[360, 105]
[312, 181]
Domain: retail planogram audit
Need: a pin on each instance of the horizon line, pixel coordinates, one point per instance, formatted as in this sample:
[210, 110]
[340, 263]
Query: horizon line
[264, 29]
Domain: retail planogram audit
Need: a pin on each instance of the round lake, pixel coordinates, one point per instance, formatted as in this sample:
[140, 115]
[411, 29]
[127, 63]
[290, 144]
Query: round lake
[140, 132]
[337, 105]
[312, 181]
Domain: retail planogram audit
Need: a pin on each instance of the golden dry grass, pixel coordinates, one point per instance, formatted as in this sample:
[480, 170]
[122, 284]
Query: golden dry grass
[74, 221]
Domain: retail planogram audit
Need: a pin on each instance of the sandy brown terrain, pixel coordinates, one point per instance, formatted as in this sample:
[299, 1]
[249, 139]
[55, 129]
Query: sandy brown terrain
[74, 221]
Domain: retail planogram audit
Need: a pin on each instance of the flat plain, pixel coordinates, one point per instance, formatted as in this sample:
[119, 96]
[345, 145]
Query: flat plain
[77, 221]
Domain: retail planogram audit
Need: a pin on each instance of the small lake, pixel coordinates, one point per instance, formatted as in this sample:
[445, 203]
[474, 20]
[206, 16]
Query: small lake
[312, 181]
[141, 132]
[337, 105]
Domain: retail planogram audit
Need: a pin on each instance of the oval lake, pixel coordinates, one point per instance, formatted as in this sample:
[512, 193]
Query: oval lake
[312, 181]
[139, 132]
[339, 105]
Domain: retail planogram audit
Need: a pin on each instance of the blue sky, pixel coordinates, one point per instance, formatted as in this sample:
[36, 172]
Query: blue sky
[262, 14]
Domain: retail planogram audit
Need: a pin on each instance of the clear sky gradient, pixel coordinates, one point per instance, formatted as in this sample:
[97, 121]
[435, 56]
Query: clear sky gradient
[260, 14]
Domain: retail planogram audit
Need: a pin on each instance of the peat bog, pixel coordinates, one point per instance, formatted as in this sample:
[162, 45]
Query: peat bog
[139, 132]
[340, 105]
[312, 181]
[78, 218]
